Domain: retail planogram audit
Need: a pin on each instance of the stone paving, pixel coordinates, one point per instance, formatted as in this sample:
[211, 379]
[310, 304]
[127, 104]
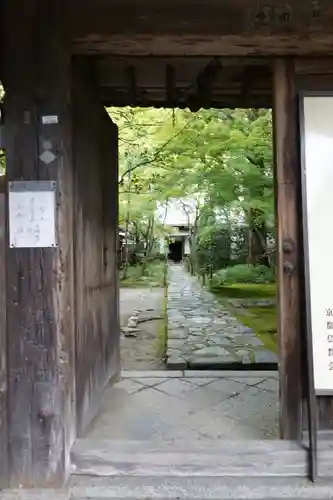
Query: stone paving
[190, 406]
[202, 333]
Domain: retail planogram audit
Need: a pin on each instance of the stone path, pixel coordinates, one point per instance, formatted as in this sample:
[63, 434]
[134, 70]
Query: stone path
[203, 333]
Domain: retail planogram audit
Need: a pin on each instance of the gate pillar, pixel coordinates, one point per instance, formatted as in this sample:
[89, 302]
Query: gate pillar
[289, 269]
[40, 313]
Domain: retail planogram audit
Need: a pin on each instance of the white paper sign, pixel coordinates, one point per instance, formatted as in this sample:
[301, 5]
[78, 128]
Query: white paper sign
[31, 217]
[49, 119]
[318, 190]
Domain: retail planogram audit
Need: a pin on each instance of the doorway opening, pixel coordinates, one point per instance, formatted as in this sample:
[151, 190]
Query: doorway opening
[176, 250]
[217, 310]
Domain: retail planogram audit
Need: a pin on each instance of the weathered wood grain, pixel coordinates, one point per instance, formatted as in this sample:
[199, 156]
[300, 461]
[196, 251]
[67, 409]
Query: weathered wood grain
[39, 318]
[95, 212]
[21, 142]
[248, 27]
[109, 165]
[287, 194]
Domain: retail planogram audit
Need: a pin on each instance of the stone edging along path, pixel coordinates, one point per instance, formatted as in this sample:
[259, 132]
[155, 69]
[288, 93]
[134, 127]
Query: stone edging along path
[204, 334]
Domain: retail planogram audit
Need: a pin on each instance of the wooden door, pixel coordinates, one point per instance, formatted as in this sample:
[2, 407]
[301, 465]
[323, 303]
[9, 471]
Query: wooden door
[95, 253]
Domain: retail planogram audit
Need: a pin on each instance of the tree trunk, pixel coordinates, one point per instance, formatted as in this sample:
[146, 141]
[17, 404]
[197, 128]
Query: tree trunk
[257, 246]
[128, 218]
[148, 243]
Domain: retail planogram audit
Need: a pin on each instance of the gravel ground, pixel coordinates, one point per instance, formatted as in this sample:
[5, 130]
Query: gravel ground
[141, 352]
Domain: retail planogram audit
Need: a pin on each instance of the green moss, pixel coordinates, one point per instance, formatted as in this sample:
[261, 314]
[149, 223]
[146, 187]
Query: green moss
[248, 291]
[162, 331]
[152, 276]
[262, 320]
[161, 340]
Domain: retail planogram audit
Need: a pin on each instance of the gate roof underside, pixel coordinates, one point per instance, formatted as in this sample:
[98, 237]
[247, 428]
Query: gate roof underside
[184, 82]
[195, 53]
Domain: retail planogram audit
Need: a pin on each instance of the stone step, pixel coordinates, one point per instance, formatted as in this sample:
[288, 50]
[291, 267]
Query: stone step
[197, 488]
[36, 494]
[208, 459]
[176, 488]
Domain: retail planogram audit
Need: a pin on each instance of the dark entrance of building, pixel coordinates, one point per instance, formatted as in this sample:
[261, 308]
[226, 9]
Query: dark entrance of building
[176, 250]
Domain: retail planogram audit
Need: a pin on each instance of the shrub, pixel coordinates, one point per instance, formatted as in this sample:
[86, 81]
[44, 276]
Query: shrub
[213, 248]
[243, 273]
[152, 274]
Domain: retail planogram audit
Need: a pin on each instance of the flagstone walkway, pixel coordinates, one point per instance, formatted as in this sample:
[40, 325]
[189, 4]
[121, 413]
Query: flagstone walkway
[202, 333]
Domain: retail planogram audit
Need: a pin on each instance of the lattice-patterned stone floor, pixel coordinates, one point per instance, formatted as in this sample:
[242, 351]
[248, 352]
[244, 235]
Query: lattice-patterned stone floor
[171, 406]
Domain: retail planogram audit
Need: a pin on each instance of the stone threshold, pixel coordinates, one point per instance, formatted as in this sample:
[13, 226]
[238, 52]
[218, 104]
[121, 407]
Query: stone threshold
[180, 364]
[225, 459]
[142, 488]
[197, 374]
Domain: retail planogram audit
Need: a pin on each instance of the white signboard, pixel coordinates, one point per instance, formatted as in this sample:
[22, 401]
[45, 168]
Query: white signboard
[32, 207]
[49, 119]
[317, 142]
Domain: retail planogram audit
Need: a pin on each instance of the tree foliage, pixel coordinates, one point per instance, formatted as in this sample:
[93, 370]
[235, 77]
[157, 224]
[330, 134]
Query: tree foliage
[219, 159]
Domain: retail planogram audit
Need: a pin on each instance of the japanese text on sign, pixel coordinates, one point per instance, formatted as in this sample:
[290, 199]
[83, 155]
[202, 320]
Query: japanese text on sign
[317, 180]
[32, 218]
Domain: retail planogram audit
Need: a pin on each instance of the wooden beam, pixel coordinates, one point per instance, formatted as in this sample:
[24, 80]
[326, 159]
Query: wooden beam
[288, 202]
[165, 28]
[314, 66]
[156, 97]
[207, 16]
